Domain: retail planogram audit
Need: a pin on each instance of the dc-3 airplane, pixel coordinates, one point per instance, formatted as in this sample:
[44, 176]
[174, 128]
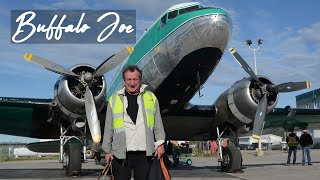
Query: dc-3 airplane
[177, 54]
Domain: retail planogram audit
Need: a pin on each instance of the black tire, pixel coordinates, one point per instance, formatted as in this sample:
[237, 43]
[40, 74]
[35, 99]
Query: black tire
[232, 159]
[189, 162]
[73, 159]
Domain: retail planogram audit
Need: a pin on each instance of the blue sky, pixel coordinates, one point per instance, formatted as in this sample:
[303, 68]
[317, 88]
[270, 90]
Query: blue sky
[290, 50]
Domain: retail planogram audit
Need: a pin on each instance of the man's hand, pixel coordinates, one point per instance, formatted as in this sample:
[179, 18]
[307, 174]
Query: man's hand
[108, 157]
[159, 151]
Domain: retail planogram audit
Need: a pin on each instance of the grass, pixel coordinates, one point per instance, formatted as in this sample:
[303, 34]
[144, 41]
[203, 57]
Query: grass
[200, 153]
[4, 158]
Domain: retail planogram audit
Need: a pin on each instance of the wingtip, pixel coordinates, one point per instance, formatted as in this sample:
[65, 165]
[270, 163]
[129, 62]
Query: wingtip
[27, 56]
[231, 50]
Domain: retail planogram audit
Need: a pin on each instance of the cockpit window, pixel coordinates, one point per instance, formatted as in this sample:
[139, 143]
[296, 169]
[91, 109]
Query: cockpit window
[188, 9]
[163, 20]
[172, 14]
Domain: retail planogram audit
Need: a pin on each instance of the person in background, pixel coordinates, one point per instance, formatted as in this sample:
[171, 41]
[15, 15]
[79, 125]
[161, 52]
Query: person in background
[175, 153]
[134, 131]
[292, 142]
[306, 142]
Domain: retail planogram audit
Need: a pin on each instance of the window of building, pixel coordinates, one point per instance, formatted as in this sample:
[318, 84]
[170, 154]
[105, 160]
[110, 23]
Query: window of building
[188, 9]
[172, 14]
[315, 105]
[307, 106]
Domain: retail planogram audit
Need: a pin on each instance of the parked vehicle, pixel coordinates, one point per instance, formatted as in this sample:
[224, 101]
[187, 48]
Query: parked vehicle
[246, 147]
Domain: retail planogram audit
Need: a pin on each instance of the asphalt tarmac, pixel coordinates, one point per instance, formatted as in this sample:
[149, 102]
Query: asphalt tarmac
[271, 166]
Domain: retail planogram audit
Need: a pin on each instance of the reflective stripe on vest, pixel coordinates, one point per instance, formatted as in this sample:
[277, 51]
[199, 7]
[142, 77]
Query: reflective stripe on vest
[118, 111]
[292, 141]
[149, 100]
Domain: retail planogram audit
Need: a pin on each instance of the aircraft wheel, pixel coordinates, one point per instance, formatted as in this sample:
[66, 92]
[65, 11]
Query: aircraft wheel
[189, 162]
[232, 159]
[90, 154]
[73, 159]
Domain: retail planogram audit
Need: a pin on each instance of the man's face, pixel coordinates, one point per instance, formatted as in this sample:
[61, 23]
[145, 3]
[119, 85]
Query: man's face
[132, 82]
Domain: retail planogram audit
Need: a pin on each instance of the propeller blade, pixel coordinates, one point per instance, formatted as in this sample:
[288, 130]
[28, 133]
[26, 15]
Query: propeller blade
[51, 66]
[113, 61]
[244, 65]
[92, 116]
[259, 118]
[293, 86]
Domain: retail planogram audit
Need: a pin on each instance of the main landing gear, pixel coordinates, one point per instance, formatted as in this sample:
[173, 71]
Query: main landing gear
[230, 157]
[72, 152]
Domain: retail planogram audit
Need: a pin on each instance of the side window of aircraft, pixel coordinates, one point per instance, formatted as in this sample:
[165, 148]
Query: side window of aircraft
[163, 20]
[188, 9]
[172, 14]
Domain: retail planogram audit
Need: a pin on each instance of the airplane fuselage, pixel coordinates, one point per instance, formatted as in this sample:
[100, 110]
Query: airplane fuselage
[178, 55]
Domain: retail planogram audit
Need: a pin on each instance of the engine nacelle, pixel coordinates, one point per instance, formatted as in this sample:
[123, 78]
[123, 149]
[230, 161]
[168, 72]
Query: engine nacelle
[239, 103]
[69, 93]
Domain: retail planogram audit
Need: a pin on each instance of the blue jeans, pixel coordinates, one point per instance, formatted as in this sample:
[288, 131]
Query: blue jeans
[292, 149]
[175, 157]
[306, 150]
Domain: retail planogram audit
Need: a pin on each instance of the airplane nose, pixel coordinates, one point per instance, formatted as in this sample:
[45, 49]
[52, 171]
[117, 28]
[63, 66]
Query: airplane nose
[213, 30]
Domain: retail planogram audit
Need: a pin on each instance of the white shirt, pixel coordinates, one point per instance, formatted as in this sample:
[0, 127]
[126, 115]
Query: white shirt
[135, 133]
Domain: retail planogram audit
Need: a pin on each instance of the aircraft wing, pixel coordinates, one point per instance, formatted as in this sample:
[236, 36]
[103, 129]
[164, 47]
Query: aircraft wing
[200, 122]
[27, 117]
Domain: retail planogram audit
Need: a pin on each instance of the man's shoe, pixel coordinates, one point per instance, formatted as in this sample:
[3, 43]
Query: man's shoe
[302, 164]
[310, 164]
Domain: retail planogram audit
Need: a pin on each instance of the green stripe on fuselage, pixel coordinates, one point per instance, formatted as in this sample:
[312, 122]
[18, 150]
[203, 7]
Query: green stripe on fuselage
[154, 36]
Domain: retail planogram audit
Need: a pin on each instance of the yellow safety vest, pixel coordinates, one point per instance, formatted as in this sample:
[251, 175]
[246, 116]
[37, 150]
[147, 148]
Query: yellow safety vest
[149, 100]
[292, 140]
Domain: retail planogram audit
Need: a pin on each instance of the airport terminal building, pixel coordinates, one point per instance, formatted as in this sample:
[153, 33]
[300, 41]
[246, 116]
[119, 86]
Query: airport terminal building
[308, 100]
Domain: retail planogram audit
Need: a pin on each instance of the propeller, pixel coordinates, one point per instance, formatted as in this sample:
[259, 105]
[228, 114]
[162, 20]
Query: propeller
[51, 66]
[113, 61]
[92, 116]
[266, 89]
[86, 80]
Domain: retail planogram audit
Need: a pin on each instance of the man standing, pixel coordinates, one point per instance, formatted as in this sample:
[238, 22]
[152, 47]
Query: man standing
[175, 153]
[133, 129]
[293, 142]
[306, 142]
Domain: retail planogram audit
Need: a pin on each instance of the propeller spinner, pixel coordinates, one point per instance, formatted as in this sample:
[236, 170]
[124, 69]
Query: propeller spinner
[86, 80]
[266, 89]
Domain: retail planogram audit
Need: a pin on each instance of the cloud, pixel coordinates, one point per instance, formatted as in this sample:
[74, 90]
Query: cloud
[60, 4]
[147, 9]
[286, 55]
